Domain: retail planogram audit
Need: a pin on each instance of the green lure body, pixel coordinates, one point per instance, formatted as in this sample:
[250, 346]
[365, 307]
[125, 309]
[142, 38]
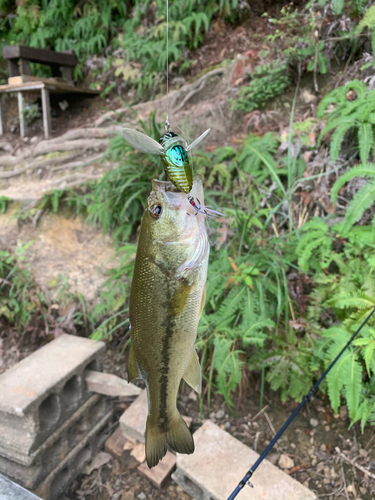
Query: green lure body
[175, 161]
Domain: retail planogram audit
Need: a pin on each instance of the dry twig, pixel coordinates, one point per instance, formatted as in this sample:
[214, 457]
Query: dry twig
[344, 457]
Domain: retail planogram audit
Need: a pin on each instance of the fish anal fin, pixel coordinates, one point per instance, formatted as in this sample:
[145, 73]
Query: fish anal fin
[193, 374]
[132, 366]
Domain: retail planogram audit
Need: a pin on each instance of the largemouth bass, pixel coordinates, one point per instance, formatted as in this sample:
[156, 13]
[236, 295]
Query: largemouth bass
[166, 302]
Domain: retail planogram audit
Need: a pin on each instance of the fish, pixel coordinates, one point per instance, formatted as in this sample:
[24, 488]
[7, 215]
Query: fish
[167, 297]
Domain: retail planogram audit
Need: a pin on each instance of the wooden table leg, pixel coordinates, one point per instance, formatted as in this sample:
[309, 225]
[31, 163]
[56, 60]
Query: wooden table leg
[20, 114]
[46, 113]
[1, 116]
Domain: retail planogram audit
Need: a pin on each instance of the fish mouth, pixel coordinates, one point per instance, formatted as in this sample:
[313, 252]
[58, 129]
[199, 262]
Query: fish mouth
[196, 237]
[167, 186]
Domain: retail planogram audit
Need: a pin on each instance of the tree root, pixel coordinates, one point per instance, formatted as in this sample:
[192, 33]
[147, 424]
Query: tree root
[44, 148]
[198, 86]
[188, 90]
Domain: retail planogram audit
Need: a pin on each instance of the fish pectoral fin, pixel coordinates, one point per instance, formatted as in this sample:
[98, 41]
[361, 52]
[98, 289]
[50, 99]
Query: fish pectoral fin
[132, 366]
[193, 374]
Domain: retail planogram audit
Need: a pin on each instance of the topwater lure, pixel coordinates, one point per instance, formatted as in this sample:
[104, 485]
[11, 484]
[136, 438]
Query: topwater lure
[173, 151]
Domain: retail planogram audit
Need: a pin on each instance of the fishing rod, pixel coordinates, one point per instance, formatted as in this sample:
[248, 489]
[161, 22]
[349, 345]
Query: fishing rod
[250, 472]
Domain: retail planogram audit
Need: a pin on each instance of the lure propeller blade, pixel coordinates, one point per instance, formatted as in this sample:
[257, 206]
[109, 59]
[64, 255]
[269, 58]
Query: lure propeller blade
[142, 142]
[198, 140]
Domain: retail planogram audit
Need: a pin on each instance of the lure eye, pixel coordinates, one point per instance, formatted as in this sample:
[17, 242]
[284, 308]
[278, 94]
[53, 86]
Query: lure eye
[156, 211]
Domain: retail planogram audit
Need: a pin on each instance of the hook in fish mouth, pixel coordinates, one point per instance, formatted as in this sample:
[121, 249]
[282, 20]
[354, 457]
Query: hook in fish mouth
[208, 212]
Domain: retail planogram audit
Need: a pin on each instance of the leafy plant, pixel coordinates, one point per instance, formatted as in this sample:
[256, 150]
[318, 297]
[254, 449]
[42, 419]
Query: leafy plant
[4, 202]
[363, 198]
[267, 81]
[351, 106]
[31, 112]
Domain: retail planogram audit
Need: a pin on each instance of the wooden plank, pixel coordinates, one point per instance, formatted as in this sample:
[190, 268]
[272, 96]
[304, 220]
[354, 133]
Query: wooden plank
[17, 80]
[43, 56]
[20, 114]
[54, 88]
[115, 444]
[25, 66]
[159, 474]
[55, 70]
[46, 113]
[110, 385]
[1, 117]
[67, 73]
[13, 67]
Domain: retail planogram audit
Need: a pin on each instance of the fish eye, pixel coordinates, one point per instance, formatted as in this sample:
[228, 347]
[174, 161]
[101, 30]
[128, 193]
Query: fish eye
[156, 211]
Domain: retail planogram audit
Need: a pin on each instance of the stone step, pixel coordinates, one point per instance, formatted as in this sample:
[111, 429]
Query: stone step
[33, 469]
[220, 462]
[133, 420]
[159, 474]
[42, 391]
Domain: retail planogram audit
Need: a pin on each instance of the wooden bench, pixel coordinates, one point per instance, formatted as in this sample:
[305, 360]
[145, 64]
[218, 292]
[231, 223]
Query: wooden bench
[20, 79]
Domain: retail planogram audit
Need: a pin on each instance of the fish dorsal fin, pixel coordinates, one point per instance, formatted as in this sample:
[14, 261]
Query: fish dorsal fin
[132, 366]
[193, 374]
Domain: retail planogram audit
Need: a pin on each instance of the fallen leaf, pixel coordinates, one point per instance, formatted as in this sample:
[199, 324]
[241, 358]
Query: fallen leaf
[99, 460]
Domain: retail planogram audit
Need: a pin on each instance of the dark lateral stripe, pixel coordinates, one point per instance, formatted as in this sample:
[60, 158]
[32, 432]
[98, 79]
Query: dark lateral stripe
[167, 340]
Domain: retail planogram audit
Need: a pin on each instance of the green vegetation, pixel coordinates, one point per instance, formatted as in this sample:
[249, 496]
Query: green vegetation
[267, 82]
[26, 307]
[292, 269]
[136, 31]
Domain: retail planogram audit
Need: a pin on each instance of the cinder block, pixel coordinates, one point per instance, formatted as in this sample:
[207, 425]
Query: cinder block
[159, 474]
[69, 468]
[33, 469]
[38, 394]
[12, 491]
[133, 420]
[219, 463]
[115, 444]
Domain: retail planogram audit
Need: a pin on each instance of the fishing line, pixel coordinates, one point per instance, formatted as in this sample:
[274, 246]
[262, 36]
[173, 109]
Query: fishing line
[167, 126]
[246, 479]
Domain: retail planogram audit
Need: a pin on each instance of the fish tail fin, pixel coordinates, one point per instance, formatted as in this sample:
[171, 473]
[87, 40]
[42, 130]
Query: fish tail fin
[179, 437]
[156, 444]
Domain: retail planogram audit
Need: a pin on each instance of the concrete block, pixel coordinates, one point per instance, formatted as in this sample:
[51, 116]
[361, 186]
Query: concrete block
[158, 475]
[111, 385]
[38, 394]
[115, 444]
[33, 469]
[219, 463]
[133, 420]
[12, 491]
[69, 468]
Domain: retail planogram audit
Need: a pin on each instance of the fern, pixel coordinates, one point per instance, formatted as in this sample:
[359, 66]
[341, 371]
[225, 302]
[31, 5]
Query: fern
[347, 115]
[362, 199]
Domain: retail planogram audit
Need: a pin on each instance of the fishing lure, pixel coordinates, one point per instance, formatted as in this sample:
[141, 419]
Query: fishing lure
[173, 151]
